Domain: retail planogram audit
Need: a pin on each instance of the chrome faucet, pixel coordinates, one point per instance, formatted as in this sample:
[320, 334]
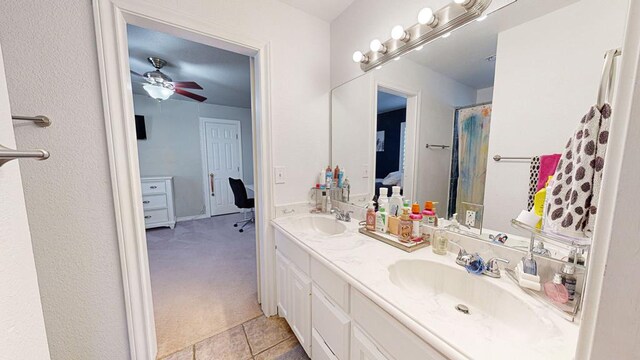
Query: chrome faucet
[342, 215]
[463, 258]
[492, 269]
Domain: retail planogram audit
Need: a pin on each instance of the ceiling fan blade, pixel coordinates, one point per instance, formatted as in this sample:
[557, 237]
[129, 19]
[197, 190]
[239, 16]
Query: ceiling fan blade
[187, 85]
[135, 73]
[188, 94]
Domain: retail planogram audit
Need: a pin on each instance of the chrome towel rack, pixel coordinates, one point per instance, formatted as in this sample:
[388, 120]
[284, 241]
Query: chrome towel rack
[7, 154]
[39, 120]
[429, 146]
[498, 158]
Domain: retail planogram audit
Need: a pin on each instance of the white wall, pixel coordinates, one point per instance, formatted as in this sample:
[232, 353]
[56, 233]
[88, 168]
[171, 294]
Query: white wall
[172, 147]
[484, 95]
[547, 76]
[52, 68]
[354, 119]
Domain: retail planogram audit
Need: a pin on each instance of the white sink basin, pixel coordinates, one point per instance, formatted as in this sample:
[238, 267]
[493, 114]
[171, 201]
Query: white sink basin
[322, 225]
[449, 285]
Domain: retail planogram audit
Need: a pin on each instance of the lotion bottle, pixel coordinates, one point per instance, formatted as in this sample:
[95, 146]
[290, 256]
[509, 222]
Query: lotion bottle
[404, 233]
[381, 218]
[395, 202]
[371, 217]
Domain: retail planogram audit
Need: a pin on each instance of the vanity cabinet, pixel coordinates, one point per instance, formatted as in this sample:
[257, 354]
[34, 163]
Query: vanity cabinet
[363, 348]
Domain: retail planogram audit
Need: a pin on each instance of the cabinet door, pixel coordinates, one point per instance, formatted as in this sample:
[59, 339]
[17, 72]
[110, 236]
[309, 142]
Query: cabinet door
[300, 307]
[282, 284]
[363, 348]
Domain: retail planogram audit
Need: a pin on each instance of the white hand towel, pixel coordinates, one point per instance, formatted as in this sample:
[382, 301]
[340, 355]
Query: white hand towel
[573, 203]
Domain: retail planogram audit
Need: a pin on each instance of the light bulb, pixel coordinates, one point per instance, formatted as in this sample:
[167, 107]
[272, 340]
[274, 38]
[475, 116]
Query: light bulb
[466, 3]
[420, 48]
[359, 57]
[446, 35]
[378, 67]
[377, 46]
[398, 33]
[158, 92]
[481, 18]
[426, 17]
[396, 58]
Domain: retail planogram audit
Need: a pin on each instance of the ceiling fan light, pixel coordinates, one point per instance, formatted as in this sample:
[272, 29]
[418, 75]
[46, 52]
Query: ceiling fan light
[158, 92]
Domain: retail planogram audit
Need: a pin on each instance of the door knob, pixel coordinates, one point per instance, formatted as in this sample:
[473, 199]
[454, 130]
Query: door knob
[212, 184]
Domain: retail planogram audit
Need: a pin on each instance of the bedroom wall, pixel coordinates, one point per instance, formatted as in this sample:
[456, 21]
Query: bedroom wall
[544, 95]
[389, 159]
[484, 95]
[51, 62]
[172, 147]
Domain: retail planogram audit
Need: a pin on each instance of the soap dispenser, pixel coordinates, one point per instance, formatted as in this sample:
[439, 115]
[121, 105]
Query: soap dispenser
[416, 219]
[371, 217]
[404, 232]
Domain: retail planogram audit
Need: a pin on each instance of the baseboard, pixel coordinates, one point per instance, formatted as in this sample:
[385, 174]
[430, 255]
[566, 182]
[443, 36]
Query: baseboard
[193, 217]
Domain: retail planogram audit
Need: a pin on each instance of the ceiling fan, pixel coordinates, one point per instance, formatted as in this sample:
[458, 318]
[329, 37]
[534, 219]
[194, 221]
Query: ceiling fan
[160, 86]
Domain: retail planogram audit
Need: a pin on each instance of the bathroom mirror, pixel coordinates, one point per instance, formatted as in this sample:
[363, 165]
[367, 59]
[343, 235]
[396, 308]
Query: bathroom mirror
[433, 121]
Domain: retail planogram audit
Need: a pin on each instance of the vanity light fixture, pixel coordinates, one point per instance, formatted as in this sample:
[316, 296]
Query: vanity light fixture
[398, 33]
[359, 57]
[377, 46]
[481, 18]
[419, 48]
[426, 17]
[431, 25]
[446, 35]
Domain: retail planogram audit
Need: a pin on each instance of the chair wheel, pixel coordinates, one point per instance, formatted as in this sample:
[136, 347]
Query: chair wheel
[241, 230]
[235, 225]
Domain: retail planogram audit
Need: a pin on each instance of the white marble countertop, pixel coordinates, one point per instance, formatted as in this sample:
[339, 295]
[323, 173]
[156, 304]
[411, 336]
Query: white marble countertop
[364, 262]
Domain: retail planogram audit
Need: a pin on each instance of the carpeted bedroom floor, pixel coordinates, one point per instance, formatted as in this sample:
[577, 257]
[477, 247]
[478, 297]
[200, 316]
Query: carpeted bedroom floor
[203, 279]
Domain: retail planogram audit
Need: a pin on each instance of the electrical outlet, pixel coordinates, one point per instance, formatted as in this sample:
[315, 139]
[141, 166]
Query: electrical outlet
[365, 171]
[280, 174]
[470, 219]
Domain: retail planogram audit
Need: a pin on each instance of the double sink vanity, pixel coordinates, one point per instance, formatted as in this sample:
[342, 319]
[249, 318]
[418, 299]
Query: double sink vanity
[348, 296]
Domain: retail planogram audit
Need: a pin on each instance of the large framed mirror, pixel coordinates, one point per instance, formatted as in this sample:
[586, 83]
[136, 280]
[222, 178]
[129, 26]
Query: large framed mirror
[473, 122]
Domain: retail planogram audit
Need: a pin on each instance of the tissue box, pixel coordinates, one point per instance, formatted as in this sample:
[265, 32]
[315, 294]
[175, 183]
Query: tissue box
[394, 225]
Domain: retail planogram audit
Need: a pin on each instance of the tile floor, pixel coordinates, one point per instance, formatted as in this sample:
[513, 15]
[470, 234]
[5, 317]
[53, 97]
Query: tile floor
[261, 338]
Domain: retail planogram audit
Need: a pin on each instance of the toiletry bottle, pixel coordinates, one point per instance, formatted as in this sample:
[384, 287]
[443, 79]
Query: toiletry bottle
[328, 177]
[406, 204]
[555, 290]
[381, 219]
[346, 190]
[440, 242]
[416, 219]
[569, 280]
[371, 217]
[435, 213]
[336, 173]
[428, 214]
[383, 198]
[395, 202]
[529, 265]
[341, 178]
[579, 255]
[404, 231]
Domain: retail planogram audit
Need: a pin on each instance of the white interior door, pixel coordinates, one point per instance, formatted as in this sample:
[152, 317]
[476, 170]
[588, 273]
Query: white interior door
[224, 161]
[22, 333]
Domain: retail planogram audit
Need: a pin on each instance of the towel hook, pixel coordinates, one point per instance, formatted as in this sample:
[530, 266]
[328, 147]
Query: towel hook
[608, 74]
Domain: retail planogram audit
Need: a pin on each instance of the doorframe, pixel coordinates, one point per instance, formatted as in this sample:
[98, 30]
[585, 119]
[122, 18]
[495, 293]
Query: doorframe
[413, 97]
[204, 155]
[110, 19]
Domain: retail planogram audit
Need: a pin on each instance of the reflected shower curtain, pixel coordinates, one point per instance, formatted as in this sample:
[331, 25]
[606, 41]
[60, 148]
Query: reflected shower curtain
[469, 157]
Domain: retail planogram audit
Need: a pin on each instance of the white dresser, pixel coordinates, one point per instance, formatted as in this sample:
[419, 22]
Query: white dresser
[157, 201]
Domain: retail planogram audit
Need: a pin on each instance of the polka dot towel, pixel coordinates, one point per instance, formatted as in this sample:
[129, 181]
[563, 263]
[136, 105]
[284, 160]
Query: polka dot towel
[572, 206]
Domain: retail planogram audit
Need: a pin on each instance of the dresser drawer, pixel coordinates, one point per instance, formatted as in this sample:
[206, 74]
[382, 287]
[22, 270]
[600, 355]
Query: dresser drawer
[153, 187]
[331, 323]
[150, 202]
[319, 348]
[331, 284]
[156, 216]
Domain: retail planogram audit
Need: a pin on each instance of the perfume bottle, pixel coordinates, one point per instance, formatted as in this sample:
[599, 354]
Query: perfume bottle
[555, 290]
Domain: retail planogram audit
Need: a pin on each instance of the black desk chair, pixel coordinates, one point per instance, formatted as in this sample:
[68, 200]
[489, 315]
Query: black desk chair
[242, 201]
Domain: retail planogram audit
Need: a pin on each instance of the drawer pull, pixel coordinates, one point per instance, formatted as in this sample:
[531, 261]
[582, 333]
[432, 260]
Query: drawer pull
[153, 187]
[147, 217]
[146, 201]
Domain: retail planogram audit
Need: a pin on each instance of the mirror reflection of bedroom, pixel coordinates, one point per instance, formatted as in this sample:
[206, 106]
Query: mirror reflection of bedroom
[390, 140]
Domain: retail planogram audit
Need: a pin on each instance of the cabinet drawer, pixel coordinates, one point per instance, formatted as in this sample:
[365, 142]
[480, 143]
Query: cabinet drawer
[156, 216]
[153, 187]
[388, 332]
[293, 252]
[320, 350]
[331, 284]
[331, 323]
[150, 202]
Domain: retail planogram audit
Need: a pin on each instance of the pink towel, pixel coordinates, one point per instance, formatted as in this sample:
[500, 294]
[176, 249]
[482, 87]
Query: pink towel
[548, 164]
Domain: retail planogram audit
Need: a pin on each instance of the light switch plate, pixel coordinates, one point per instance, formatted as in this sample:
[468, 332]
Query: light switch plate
[365, 171]
[280, 174]
[470, 218]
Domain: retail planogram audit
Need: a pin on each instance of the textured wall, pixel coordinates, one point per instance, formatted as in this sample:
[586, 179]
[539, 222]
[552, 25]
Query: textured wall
[172, 147]
[52, 68]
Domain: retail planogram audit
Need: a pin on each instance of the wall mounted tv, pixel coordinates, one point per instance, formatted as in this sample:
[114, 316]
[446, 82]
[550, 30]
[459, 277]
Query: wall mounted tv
[141, 128]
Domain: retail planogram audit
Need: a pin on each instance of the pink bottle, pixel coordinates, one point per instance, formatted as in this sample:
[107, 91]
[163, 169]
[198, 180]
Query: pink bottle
[556, 291]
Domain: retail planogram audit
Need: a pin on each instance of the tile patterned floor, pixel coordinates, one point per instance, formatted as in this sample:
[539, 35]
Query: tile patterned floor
[261, 338]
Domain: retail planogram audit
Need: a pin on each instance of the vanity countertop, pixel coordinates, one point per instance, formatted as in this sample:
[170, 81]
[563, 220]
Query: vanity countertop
[364, 263]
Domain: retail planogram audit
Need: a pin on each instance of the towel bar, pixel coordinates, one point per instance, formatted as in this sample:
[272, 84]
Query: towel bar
[7, 154]
[39, 120]
[429, 146]
[498, 158]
